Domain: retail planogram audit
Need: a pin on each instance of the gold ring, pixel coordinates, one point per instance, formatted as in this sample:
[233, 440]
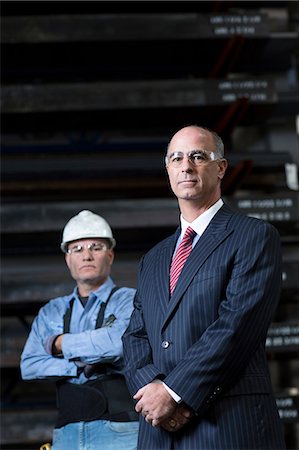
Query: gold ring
[172, 423]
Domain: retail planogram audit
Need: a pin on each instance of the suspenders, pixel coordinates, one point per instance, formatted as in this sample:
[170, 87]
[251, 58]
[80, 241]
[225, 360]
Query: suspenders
[100, 318]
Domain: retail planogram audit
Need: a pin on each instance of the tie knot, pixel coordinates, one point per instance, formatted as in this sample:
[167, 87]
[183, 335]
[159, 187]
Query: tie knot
[189, 234]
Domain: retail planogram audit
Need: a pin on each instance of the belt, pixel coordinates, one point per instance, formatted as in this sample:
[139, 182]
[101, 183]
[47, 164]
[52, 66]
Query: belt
[107, 398]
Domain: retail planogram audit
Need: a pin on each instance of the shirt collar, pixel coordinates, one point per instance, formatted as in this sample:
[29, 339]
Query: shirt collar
[201, 222]
[102, 292]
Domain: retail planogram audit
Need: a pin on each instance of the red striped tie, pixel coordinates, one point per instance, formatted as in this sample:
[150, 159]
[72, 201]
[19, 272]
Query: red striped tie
[180, 257]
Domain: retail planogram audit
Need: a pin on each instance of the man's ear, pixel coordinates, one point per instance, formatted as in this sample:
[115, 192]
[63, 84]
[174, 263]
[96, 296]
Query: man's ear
[222, 164]
[111, 256]
[67, 259]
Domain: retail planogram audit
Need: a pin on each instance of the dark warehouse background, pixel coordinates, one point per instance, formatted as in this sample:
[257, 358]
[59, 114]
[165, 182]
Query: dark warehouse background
[91, 93]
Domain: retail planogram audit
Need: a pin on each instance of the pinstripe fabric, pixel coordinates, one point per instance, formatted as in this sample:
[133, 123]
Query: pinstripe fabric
[216, 326]
[180, 257]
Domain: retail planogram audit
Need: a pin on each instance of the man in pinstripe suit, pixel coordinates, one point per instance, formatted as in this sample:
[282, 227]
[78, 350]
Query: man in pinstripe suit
[195, 360]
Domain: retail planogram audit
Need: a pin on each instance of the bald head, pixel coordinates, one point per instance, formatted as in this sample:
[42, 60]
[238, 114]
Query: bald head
[194, 132]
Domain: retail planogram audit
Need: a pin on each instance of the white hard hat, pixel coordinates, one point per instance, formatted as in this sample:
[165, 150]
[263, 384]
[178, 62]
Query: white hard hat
[84, 225]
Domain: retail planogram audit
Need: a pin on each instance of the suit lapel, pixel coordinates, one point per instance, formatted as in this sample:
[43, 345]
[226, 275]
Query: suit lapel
[162, 270]
[214, 234]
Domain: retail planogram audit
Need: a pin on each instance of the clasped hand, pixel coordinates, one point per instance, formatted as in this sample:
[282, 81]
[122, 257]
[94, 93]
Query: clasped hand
[160, 409]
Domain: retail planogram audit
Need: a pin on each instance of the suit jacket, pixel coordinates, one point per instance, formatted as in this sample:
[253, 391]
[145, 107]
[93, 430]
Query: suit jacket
[207, 342]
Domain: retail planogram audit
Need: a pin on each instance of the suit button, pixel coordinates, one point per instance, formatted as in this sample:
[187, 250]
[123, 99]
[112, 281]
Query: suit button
[165, 344]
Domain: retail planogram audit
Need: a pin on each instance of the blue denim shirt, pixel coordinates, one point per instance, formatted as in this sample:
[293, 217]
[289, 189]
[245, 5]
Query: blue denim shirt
[83, 344]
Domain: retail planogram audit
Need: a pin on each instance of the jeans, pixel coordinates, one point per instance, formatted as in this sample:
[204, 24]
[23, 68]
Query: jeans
[96, 435]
